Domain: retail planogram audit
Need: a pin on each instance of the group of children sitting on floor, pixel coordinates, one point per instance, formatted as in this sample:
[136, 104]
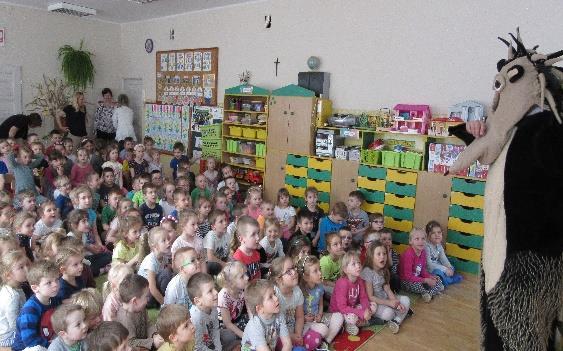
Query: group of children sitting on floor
[227, 269]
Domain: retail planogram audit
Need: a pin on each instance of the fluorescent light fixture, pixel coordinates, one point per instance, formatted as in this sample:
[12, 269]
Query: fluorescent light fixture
[71, 9]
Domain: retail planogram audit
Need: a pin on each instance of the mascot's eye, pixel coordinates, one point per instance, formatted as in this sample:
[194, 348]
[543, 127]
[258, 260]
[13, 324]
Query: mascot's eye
[515, 73]
[498, 84]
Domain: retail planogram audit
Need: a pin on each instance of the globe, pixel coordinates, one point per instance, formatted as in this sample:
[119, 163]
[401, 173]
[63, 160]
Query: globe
[313, 62]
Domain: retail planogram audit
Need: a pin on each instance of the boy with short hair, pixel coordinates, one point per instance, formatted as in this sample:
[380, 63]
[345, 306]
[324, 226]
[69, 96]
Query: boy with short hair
[110, 209]
[108, 185]
[138, 197]
[128, 144]
[182, 201]
[62, 200]
[43, 277]
[69, 261]
[93, 182]
[69, 324]
[55, 169]
[358, 219]
[331, 223]
[201, 189]
[304, 225]
[186, 263]
[132, 313]
[175, 327]
[202, 292]
[178, 151]
[376, 221]
[345, 234]
[267, 326]
[26, 200]
[312, 207]
[151, 211]
[148, 142]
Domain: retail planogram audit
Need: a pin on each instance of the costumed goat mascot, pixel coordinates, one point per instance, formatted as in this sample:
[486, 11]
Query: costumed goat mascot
[522, 261]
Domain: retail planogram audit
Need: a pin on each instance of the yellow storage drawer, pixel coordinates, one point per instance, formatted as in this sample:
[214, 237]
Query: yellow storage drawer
[400, 248]
[467, 200]
[398, 224]
[294, 191]
[469, 254]
[399, 200]
[465, 226]
[319, 185]
[371, 184]
[372, 207]
[296, 171]
[320, 164]
[325, 207]
[398, 176]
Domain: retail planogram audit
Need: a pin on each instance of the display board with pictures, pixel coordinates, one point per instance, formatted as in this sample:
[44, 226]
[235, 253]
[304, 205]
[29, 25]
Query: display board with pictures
[167, 124]
[187, 77]
[202, 116]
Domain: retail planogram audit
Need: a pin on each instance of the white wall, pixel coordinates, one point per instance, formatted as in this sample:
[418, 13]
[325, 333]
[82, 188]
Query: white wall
[33, 38]
[378, 52]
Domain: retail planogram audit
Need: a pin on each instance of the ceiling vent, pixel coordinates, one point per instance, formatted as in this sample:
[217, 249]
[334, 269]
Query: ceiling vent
[71, 9]
[142, 2]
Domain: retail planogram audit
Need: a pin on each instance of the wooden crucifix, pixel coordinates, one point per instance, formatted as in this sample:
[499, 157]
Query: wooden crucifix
[277, 62]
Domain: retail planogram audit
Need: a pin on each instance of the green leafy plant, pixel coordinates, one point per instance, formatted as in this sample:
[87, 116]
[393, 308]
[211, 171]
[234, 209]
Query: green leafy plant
[77, 67]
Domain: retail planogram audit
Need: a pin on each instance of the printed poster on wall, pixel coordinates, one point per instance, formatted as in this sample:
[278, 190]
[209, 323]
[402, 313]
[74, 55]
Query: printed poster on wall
[164, 62]
[197, 61]
[189, 58]
[207, 61]
[172, 61]
[180, 61]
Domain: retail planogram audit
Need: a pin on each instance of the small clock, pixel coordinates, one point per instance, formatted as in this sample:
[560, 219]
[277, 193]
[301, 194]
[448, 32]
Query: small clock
[149, 46]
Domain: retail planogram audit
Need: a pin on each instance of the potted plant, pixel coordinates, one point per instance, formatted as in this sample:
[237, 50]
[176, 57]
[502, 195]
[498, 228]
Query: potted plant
[77, 66]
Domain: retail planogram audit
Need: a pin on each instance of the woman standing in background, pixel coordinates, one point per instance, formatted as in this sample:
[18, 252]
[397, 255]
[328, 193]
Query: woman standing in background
[104, 117]
[75, 118]
[123, 119]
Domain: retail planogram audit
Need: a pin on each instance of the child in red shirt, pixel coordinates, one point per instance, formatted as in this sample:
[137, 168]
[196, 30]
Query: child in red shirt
[247, 239]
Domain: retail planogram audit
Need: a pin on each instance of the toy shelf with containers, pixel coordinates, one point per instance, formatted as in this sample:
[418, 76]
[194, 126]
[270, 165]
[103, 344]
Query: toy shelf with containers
[245, 132]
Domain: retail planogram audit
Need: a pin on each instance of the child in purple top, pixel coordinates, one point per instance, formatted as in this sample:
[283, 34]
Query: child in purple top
[412, 268]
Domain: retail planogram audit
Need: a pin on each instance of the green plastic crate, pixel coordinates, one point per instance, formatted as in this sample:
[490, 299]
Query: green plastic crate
[211, 143]
[467, 213]
[400, 189]
[215, 153]
[372, 172]
[469, 240]
[373, 195]
[212, 131]
[260, 150]
[468, 186]
[296, 181]
[372, 157]
[398, 212]
[319, 175]
[391, 158]
[297, 160]
[411, 160]
[462, 265]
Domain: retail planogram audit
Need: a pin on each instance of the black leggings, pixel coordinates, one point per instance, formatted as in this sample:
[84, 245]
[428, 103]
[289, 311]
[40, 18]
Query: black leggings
[104, 135]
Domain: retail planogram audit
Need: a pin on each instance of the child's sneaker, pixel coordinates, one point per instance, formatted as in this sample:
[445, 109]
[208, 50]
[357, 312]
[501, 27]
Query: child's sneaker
[393, 326]
[352, 329]
[410, 312]
[426, 297]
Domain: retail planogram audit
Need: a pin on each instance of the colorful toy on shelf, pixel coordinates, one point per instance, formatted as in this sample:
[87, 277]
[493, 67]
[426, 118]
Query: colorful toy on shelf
[439, 126]
[382, 120]
[412, 119]
[342, 120]
[377, 144]
[253, 177]
[467, 111]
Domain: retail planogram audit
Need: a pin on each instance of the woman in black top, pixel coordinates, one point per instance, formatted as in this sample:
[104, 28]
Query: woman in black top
[75, 120]
[17, 126]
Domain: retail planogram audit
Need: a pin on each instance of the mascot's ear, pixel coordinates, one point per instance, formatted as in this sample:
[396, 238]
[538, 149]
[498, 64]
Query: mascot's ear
[461, 132]
[500, 64]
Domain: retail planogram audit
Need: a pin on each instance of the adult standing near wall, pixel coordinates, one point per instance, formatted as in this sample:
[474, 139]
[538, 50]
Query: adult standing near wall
[104, 116]
[123, 119]
[76, 118]
[17, 126]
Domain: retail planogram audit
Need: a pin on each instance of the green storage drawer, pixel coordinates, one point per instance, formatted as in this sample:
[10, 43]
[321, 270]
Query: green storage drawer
[372, 172]
[462, 265]
[400, 237]
[467, 213]
[297, 160]
[296, 181]
[469, 240]
[398, 212]
[468, 186]
[319, 175]
[400, 189]
[323, 196]
[373, 196]
[297, 202]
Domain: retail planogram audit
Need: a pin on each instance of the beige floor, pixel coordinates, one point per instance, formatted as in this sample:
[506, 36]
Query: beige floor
[450, 322]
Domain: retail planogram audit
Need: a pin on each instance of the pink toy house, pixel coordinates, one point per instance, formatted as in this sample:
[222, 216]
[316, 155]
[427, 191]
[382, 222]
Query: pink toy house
[412, 119]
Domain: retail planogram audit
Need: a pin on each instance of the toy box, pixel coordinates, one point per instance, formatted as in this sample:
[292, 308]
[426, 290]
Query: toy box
[442, 156]
[326, 142]
[467, 111]
[412, 119]
[439, 126]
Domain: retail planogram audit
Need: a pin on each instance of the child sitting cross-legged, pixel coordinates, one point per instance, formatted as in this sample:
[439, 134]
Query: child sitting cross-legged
[436, 259]
[414, 276]
[48, 221]
[390, 307]
[154, 264]
[271, 246]
[358, 219]
[129, 249]
[330, 264]
[393, 258]
[201, 289]
[176, 328]
[335, 220]
[69, 261]
[109, 336]
[349, 296]
[70, 326]
[110, 290]
[132, 313]
[43, 276]
[62, 195]
[318, 325]
[186, 263]
[217, 242]
[246, 244]
[13, 272]
[232, 312]
[267, 326]
[151, 211]
[187, 228]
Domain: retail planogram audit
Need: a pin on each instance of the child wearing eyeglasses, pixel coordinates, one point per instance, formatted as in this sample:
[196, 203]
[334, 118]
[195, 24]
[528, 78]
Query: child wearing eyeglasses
[186, 263]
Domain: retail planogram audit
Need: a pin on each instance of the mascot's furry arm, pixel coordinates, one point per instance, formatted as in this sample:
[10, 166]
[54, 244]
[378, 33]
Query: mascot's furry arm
[522, 257]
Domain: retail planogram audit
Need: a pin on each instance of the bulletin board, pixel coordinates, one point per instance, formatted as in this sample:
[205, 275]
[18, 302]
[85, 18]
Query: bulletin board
[167, 124]
[187, 77]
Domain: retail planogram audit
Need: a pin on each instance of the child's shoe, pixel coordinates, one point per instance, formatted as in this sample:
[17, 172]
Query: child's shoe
[393, 326]
[426, 297]
[352, 329]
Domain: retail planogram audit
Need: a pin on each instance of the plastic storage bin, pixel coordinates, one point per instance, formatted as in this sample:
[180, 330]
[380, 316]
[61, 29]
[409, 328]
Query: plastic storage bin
[249, 133]
[211, 143]
[411, 160]
[261, 134]
[212, 131]
[391, 158]
[235, 131]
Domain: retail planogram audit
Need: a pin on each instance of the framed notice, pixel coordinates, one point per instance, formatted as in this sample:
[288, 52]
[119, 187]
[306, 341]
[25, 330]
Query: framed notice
[2, 36]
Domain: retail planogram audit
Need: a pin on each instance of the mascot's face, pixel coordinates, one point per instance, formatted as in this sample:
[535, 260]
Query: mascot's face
[516, 79]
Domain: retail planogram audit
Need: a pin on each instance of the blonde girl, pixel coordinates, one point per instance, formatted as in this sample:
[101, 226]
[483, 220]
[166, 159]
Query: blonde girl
[271, 246]
[13, 272]
[246, 240]
[154, 264]
[285, 214]
[112, 161]
[129, 249]
[81, 168]
[123, 206]
[349, 296]
[233, 280]
[187, 230]
[284, 275]
[211, 173]
[23, 228]
[110, 290]
[390, 307]
[167, 203]
[318, 324]
[253, 201]
[51, 244]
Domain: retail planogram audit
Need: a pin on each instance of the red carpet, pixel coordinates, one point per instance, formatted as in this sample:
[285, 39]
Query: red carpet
[345, 342]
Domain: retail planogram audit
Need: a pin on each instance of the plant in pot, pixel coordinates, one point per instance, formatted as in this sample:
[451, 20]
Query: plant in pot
[51, 96]
[77, 67]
